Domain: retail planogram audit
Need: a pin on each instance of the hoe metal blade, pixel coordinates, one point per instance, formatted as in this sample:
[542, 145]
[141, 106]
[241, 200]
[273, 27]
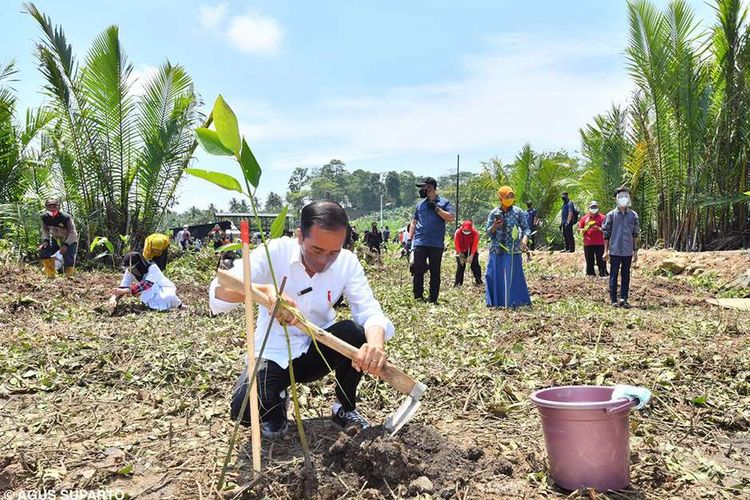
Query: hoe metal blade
[406, 411]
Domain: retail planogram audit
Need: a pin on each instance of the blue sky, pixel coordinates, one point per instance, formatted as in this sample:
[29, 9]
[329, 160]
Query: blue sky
[381, 85]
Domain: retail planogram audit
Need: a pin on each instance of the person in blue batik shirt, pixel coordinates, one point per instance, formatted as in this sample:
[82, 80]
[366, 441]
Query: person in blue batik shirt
[427, 233]
[508, 231]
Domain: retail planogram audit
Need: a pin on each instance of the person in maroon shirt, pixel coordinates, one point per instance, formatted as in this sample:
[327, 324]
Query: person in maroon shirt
[466, 241]
[593, 240]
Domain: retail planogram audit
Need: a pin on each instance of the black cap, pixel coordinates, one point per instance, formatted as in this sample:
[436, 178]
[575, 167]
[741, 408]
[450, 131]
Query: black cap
[427, 180]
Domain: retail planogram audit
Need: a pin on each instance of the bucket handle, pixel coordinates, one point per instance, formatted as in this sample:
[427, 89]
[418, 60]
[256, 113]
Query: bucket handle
[622, 406]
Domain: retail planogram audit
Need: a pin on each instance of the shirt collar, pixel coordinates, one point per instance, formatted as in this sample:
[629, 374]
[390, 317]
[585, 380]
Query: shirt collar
[296, 255]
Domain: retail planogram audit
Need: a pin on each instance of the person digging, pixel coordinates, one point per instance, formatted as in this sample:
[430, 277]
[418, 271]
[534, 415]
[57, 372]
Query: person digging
[318, 272]
[58, 234]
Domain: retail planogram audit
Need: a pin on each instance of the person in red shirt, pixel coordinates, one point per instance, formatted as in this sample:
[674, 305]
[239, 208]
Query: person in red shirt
[466, 240]
[593, 240]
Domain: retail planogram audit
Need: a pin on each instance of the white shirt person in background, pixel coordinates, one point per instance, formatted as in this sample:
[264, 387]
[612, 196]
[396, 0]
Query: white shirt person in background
[318, 272]
[143, 278]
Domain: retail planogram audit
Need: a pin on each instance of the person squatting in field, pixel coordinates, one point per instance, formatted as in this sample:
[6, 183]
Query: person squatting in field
[143, 279]
[58, 234]
[318, 272]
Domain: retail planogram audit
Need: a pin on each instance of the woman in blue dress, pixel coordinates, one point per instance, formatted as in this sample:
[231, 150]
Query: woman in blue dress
[508, 231]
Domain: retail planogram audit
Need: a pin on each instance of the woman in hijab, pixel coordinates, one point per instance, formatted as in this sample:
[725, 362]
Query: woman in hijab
[142, 278]
[508, 231]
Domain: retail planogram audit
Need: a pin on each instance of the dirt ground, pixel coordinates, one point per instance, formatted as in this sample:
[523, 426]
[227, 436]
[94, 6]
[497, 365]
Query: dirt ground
[137, 402]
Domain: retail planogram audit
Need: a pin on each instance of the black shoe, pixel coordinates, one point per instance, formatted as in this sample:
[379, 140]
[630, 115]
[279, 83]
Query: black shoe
[350, 418]
[624, 304]
[272, 430]
[615, 303]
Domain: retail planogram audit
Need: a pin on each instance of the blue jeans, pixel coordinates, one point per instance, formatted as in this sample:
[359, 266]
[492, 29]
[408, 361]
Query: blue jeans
[618, 262]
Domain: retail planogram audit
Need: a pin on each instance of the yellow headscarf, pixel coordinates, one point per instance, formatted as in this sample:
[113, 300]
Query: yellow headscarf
[503, 193]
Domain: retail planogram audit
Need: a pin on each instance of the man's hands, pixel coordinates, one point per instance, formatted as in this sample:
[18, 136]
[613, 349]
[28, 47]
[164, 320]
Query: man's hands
[370, 359]
[63, 249]
[283, 316]
[525, 244]
[606, 255]
[119, 292]
[44, 244]
[431, 205]
[635, 257]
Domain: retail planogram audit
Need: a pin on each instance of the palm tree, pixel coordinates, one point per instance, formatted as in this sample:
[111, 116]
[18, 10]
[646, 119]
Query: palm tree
[119, 156]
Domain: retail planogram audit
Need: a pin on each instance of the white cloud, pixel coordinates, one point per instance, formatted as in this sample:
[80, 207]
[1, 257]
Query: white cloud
[251, 33]
[519, 90]
[255, 34]
[139, 77]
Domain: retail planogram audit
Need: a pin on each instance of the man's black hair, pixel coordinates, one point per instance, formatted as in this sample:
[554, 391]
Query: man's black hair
[622, 189]
[327, 215]
[565, 193]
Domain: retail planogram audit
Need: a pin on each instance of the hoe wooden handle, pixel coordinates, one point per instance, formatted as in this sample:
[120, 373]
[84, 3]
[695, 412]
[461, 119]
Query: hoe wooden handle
[391, 374]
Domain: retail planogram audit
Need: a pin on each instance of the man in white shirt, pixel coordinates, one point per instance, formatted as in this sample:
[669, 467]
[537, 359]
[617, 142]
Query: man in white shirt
[318, 272]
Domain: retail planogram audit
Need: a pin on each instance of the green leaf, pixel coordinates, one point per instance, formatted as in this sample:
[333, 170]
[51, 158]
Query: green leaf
[222, 180]
[128, 469]
[514, 232]
[226, 125]
[102, 255]
[250, 168]
[746, 193]
[229, 247]
[277, 226]
[699, 400]
[211, 142]
[102, 240]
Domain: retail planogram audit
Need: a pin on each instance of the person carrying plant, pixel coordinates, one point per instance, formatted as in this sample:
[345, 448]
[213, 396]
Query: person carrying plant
[318, 272]
[508, 230]
[427, 235]
[621, 230]
[466, 242]
[143, 279]
[58, 234]
[156, 249]
[590, 226]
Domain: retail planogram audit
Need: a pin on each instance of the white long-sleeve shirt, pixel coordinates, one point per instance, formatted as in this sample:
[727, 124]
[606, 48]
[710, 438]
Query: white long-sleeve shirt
[345, 276]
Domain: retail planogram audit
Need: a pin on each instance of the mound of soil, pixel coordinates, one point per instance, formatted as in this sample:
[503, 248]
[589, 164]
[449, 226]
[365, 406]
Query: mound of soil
[417, 460]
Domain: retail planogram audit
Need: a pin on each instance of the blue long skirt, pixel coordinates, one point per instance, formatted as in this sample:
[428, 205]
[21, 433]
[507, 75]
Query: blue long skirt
[506, 284]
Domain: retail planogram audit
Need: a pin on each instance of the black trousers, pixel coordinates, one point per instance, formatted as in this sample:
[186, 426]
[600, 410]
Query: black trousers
[619, 263]
[570, 241]
[427, 258]
[595, 252]
[461, 269]
[273, 380]
[532, 240]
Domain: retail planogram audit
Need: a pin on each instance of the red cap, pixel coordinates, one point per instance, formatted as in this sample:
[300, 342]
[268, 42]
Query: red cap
[466, 225]
[245, 231]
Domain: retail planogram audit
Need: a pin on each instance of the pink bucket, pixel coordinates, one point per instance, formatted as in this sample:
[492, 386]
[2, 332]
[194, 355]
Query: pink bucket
[586, 434]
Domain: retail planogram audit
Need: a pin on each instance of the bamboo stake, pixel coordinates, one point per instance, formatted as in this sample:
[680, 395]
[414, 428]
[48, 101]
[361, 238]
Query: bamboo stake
[250, 340]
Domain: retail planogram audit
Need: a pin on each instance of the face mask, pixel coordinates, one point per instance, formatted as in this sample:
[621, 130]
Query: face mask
[593, 210]
[623, 201]
[508, 202]
[319, 263]
[423, 192]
